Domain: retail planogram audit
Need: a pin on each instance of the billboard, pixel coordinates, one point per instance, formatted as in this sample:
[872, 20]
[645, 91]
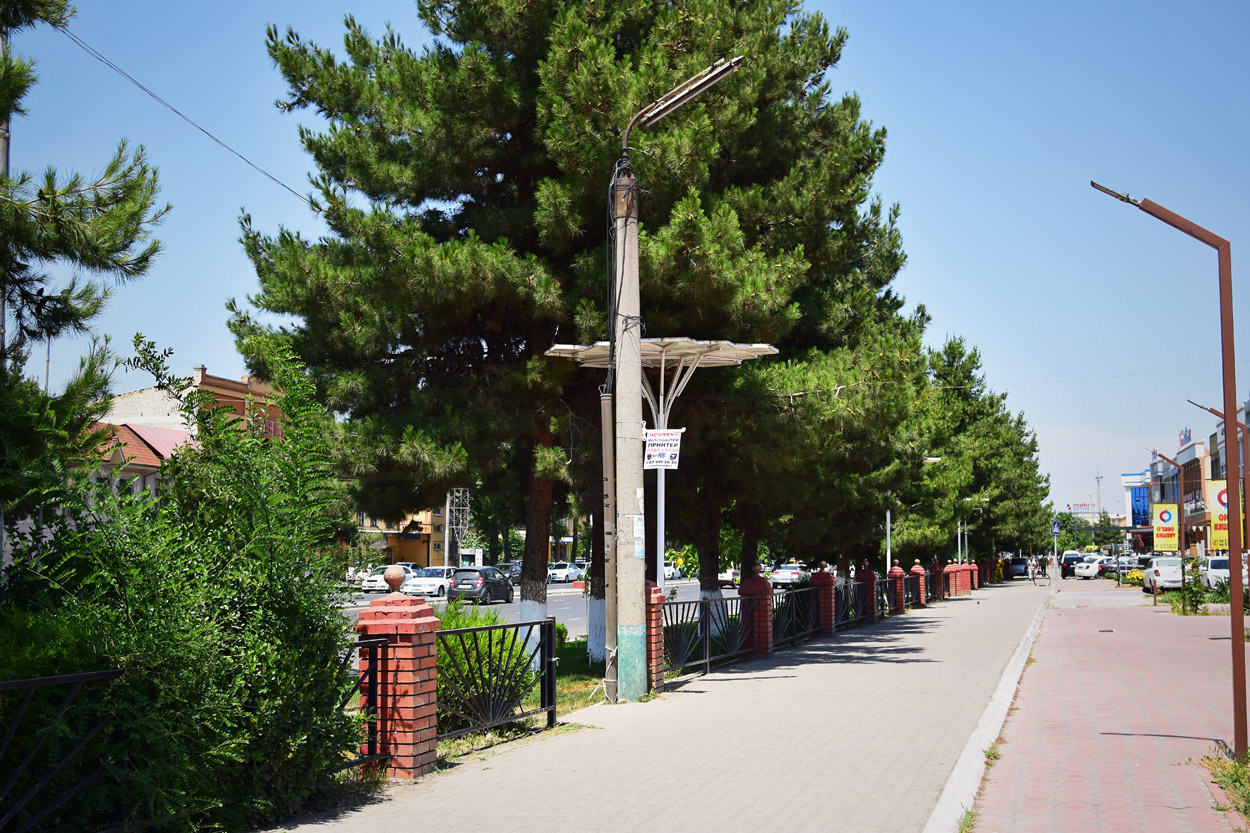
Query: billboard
[1166, 523]
[662, 448]
[1217, 506]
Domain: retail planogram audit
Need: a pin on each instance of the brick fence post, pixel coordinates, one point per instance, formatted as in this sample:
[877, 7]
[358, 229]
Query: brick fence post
[899, 596]
[655, 636]
[935, 576]
[921, 574]
[407, 720]
[824, 584]
[757, 603]
[866, 575]
[974, 575]
[952, 572]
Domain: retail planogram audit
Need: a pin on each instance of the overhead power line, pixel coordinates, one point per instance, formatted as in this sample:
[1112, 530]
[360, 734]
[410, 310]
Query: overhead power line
[90, 50]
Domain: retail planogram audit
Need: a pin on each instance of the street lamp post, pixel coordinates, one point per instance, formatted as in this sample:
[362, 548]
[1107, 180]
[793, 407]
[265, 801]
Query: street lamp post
[1237, 624]
[630, 551]
[1245, 473]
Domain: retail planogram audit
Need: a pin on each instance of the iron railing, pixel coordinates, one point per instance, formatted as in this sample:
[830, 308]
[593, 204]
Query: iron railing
[485, 675]
[911, 590]
[932, 587]
[885, 604]
[851, 602]
[24, 804]
[705, 631]
[367, 661]
[946, 585]
[795, 615]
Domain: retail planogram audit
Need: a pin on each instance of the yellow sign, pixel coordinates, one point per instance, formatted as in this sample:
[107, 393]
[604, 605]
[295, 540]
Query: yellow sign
[1216, 500]
[1167, 527]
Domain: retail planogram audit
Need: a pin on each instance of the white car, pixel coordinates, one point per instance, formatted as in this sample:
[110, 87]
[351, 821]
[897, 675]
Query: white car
[429, 581]
[564, 571]
[1163, 573]
[728, 577]
[1089, 567]
[1214, 570]
[375, 583]
[788, 575]
[671, 571]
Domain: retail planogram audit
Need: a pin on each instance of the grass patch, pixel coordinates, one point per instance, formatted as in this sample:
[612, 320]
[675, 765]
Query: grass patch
[1234, 778]
[968, 822]
[992, 755]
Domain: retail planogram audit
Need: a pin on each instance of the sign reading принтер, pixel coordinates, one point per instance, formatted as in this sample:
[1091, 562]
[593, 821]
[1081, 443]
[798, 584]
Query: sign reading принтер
[663, 447]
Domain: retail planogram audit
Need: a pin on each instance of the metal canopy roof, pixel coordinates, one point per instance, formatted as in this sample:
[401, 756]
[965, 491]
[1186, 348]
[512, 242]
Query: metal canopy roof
[659, 352]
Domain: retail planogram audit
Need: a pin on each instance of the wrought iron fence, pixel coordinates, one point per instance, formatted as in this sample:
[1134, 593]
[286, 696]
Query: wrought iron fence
[705, 631]
[851, 602]
[29, 798]
[932, 587]
[911, 590]
[885, 605]
[795, 615]
[486, 674]
[367, 662]
[946, 584]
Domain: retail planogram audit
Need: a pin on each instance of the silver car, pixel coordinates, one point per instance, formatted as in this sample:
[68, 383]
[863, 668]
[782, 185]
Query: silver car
[1163, 573]
[788, 575]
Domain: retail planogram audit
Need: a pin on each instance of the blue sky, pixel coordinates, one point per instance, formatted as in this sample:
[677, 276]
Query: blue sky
[1097, 320]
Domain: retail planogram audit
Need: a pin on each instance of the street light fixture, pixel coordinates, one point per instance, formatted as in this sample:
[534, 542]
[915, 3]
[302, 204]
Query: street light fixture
[1237, 618]
[624, 590]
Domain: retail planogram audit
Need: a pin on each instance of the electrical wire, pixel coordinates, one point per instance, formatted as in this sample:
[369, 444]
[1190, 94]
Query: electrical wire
[102, 59]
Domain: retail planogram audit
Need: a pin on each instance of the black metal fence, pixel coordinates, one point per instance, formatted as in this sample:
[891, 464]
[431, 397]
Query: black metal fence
[932, 587]
[487, 675]
[705, 631]
[911, 590]
[796, 615]
[29, 799]
[851, 602]
[367, 661]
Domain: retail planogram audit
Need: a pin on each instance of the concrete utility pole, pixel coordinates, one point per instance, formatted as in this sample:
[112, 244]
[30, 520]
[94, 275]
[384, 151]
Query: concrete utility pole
[631, 563]
[4, 307]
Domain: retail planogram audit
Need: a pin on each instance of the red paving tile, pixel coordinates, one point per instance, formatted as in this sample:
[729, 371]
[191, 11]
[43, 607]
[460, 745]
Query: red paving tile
[1110, 715]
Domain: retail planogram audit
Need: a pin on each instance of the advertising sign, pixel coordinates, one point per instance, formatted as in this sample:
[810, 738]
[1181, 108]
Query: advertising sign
[1167, 527]
[1217, 506]
[663, 447]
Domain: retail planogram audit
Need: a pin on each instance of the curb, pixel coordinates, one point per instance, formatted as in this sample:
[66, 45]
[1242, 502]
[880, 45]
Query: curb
[964, 782]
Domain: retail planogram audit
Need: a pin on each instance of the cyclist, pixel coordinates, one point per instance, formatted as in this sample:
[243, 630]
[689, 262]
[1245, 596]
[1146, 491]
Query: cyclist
[1032, 567]
[1041, 565]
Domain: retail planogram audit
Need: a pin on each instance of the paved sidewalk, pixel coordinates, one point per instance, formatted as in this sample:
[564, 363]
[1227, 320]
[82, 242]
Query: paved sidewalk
[859, 732]
[1108, 717]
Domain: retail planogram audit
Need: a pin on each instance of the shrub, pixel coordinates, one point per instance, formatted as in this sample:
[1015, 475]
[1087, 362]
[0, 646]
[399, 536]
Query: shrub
[1133, 577]
[218, 602]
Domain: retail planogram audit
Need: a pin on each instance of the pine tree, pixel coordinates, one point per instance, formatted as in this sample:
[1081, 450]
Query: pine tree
[98, 227]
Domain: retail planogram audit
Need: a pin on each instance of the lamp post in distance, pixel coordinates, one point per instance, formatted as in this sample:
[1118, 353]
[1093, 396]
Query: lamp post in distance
[1229, 373]
[625, 589]
[1245, 474]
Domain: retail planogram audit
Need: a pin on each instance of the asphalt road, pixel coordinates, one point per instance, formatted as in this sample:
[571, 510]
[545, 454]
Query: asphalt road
[567, 604]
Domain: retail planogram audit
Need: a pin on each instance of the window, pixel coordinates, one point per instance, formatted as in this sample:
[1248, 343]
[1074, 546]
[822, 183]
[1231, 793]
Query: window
[438, 547]
[438, 512]
[438, 527]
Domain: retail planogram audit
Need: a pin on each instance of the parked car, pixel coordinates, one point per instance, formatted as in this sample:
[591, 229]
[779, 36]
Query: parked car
[564, 571]
[375, 583]
[1089, 568]
[1067, 566]
[355, 575]
[728, 577]
[1163, 573]
[1214, 570]
[481, 585]
[1018, 566]
[671, 571]
[429, 581]
[788, 575]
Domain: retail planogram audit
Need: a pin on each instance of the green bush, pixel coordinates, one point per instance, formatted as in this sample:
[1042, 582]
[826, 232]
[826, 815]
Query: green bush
[218, 601]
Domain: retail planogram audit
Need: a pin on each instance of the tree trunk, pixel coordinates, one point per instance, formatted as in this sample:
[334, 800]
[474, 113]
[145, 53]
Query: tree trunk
[750, 552]
[537, 532]
[708, 539]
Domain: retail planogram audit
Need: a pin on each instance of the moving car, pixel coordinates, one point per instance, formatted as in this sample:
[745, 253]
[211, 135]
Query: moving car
[788, 575]
[1067, 565]
[481, 585]
[728, 577]
[429, 581]
[564, 571]
[375, 583]
[1163, 573]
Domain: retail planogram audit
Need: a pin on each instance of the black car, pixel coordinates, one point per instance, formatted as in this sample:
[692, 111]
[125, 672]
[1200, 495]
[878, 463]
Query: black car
[482, 585]
[511, 569]
[1068, 567]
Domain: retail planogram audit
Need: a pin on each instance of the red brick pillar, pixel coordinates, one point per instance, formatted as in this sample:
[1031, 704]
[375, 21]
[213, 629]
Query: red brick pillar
[408, 695]
[655, 636]
[953, 572]
[757, 603]
[974, 575]
[824, 584]
[921, 573]
[869, 578]
[899, 596]
[935, 576]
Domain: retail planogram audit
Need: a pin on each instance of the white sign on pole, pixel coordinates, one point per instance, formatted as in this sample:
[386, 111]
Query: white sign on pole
[663, 447]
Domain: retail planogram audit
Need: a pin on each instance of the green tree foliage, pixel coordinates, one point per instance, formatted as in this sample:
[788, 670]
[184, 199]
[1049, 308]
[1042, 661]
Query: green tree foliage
[218, 601]
[97, 226]
[1074, 532]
